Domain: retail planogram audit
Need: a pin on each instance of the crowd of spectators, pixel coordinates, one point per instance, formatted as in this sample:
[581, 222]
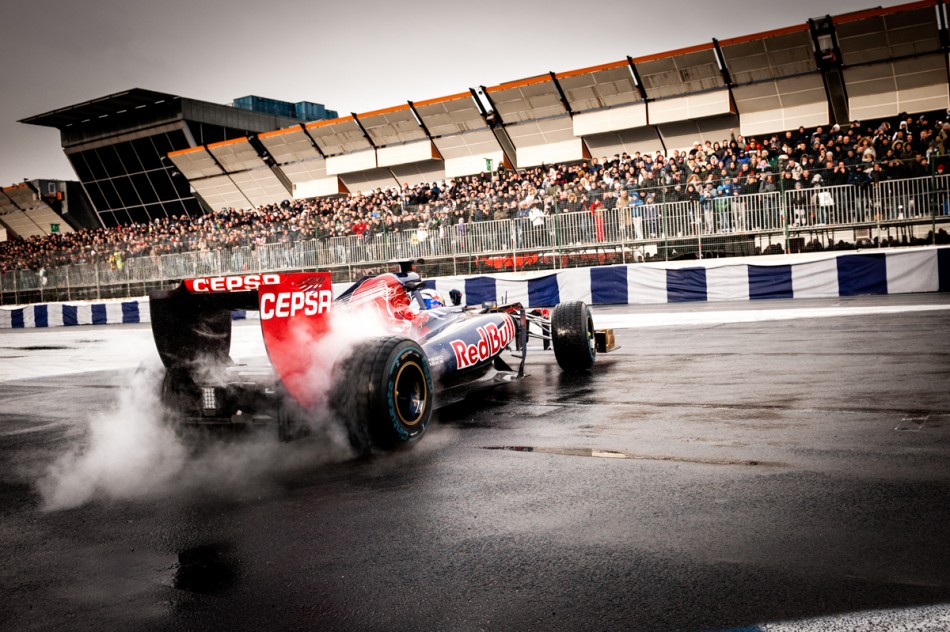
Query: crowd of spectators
[857, 154]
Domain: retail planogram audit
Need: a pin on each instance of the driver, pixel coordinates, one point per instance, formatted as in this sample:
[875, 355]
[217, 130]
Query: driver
[432, 299]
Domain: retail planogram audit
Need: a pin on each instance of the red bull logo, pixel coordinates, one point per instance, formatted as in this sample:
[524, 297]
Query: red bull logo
[491, 340]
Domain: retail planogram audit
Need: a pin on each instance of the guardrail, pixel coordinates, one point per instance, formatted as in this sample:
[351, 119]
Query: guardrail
[780, 221]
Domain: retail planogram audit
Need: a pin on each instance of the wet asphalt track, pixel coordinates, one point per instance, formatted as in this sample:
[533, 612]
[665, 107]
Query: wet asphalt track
[702, 477]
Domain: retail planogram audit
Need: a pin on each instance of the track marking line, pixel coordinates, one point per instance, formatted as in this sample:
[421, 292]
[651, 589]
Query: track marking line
[912, 423]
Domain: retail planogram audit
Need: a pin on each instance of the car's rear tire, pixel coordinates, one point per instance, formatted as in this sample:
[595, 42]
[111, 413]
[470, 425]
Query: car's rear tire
[384, 394]
[572, 334]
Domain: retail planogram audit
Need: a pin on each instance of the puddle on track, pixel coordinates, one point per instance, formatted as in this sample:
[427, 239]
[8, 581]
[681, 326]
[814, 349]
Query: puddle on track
[617, 454]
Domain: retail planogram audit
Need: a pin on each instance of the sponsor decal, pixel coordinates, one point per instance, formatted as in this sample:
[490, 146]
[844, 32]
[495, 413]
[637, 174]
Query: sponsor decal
[294, 314]
[231, 283]
[288, 304]
[491, 340]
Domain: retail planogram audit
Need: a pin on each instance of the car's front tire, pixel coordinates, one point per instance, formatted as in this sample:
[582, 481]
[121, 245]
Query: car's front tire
[572, 335]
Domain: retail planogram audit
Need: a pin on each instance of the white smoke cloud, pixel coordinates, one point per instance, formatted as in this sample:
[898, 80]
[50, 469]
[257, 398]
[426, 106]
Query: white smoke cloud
[131, 451]
[347, 328]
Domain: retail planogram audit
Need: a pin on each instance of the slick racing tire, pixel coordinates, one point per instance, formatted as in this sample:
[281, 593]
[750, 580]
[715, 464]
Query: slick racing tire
[384, 394]
[572, 334]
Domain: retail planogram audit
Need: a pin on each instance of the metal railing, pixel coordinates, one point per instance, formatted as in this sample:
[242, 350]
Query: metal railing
[710, 226]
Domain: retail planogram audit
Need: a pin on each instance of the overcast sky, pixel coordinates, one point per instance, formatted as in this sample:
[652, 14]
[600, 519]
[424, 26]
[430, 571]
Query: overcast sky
[352, 56]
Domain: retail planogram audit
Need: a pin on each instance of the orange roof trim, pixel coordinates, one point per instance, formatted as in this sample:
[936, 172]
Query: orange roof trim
[451, 97]
[674, 53]
[280, 132]
[325, 122]
[225, 143]
[797, 28]
[590, 69]
[871, 13]
[520, 83]
[182, 152]
[395, 108]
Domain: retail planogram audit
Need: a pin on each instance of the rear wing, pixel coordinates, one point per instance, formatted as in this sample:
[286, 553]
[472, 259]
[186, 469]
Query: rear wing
[191, 324]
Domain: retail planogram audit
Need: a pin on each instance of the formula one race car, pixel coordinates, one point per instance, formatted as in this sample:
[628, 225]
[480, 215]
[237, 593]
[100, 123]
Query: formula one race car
[382, 386]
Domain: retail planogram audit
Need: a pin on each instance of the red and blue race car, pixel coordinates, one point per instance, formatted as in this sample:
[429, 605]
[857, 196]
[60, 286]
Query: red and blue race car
[382, 381]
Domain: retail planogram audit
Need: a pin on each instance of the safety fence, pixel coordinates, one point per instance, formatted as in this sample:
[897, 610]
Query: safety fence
[891, 212]
[818, 275]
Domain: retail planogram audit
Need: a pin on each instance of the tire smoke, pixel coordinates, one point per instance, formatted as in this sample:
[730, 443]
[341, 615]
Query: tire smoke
[132, 451]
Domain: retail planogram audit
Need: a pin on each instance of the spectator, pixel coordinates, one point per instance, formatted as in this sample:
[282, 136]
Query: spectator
[727, 169]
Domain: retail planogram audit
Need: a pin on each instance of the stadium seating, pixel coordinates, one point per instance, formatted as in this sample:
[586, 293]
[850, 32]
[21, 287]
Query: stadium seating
[894, 149]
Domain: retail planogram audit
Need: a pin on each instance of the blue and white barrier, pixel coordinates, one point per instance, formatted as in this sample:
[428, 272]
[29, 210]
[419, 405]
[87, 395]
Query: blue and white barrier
[816, 275]
[67, 314]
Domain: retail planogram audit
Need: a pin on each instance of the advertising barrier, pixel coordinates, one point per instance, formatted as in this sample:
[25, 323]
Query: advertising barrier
[819, 275]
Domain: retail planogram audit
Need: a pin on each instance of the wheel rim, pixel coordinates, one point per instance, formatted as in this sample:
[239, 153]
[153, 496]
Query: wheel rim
[411, 393]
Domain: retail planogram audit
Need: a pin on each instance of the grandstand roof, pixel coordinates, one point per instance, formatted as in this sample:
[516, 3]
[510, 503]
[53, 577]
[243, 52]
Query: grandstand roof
[118, 146]
[117, 103]
[869, 64]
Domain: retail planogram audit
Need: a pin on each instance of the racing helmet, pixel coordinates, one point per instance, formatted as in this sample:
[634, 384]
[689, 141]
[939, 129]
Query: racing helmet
[432, 299]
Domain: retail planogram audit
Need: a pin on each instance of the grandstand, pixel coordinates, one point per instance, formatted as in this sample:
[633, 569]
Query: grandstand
[118, 146]
[36, 208]
[860, 66]
[741, 146]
